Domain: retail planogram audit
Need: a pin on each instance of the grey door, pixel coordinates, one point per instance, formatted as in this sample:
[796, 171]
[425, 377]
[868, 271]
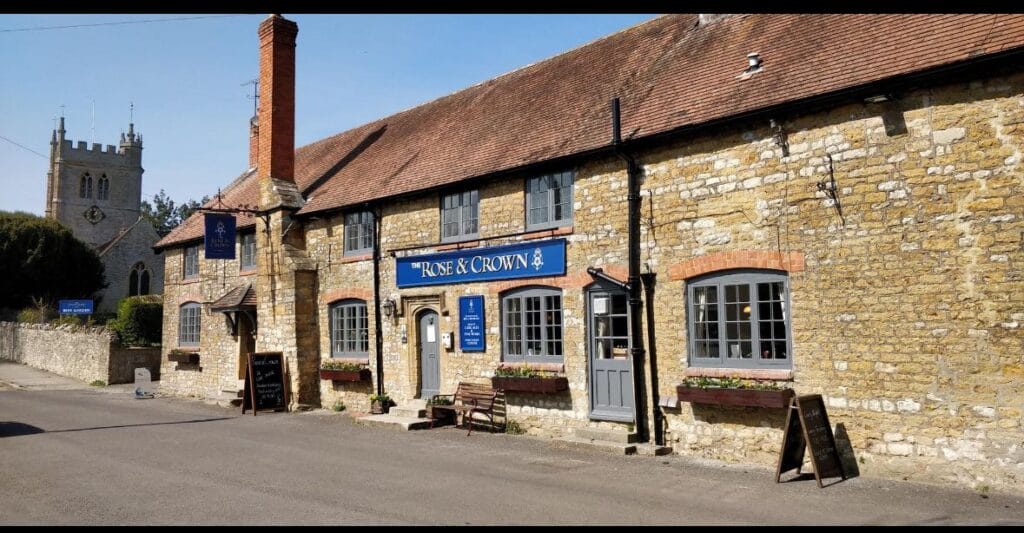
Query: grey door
[611, 379]
[430, 363]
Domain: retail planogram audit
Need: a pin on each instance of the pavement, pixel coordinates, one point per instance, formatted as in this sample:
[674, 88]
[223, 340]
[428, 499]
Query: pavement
[79, 455]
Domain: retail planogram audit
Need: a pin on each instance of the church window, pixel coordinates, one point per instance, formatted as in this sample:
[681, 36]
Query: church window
[85, 186]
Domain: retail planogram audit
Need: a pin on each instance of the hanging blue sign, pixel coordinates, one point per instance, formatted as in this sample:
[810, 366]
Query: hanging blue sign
[471, 323]
[75, 307]
[220, 236]
[527, 260]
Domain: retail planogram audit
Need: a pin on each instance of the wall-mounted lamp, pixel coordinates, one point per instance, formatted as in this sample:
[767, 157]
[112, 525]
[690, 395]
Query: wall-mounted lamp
[878, 98]
[388, 306]
[780, 136]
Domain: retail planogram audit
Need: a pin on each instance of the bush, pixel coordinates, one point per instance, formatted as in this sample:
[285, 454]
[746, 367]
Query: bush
[139, 320]
[513, 428]
[67, 320]
[339, 406]
[31, 315]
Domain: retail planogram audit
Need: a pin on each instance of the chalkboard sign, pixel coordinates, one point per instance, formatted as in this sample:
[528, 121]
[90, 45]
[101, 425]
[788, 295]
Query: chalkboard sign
[807, 425]
[264, 382]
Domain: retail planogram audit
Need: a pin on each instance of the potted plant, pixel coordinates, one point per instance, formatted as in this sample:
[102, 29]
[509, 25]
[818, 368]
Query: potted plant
[524, 379]
[380, 403]
[440, 416]
[181, 356]
[336, 370]
[733, 391]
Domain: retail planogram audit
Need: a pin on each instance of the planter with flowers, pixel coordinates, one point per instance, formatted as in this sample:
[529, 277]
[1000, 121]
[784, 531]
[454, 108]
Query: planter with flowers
[344, 371]
[732, 391]
[523, 379]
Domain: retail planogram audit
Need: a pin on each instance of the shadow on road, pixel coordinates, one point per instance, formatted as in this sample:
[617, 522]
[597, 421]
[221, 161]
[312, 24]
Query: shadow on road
[17, 429]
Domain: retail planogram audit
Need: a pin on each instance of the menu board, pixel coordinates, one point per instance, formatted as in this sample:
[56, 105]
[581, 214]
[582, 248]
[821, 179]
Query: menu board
[807, 426]
[264, 382]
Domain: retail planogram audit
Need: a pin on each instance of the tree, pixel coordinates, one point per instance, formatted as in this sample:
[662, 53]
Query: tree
[165, 216]
[41, 260]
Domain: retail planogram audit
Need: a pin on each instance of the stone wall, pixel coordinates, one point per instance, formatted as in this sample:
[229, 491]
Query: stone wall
[221, 362]
[84, 353]
[906, 314]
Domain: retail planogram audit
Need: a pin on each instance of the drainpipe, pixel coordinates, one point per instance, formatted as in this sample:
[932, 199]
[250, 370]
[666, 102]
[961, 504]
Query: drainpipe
[379, 337]
[636, 344]
[649, 280]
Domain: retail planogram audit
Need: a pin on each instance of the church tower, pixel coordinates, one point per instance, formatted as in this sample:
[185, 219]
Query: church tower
[95, 192]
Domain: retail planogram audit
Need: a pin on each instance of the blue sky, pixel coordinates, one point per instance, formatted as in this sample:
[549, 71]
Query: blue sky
[186, 79]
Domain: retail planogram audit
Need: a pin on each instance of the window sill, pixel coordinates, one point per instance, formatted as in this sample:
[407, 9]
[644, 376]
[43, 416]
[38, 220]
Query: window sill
[549, 232]
[248, 272]
[355, 258]
[189, 281]
[741, 373]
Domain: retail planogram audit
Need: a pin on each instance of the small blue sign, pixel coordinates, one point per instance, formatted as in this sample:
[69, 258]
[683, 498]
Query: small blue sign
[220, 236]
[527, 260]
[471, 323]
[75, 307]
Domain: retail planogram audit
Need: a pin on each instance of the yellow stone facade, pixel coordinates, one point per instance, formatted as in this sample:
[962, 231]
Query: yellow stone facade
[907, 308]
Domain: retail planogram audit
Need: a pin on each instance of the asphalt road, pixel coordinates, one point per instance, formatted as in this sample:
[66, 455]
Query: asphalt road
[99, 456]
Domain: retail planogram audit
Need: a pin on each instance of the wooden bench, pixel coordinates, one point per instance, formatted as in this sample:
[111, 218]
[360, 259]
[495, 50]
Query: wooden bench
[470, 398]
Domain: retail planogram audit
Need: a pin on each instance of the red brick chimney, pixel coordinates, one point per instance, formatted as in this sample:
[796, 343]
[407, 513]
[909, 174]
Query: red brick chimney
[276, 139]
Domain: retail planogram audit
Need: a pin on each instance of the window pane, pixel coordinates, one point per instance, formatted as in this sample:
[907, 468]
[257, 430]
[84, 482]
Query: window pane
[553, 320]
[533, 326]
[513, 325]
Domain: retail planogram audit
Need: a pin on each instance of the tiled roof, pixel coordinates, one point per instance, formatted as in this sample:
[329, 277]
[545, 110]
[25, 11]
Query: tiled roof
[668, 73]
[241, 296]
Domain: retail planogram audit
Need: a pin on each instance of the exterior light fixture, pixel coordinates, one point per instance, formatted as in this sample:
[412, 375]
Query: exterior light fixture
[388, 306]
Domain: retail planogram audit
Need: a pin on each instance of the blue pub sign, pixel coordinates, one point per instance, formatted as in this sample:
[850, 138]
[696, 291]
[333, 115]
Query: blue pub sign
[220, 236]
[526, 260]
[471, 323]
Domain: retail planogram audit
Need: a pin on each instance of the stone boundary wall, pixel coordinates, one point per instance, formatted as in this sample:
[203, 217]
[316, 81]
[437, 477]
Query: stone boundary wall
[80, 352]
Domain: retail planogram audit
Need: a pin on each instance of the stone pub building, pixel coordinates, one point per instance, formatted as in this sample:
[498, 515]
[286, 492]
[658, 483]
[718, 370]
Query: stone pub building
[829, 203]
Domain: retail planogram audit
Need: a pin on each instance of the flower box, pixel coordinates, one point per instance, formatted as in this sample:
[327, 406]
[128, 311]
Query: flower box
[746, 397]
[189, 358]
[535, 384]
[345, 375]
